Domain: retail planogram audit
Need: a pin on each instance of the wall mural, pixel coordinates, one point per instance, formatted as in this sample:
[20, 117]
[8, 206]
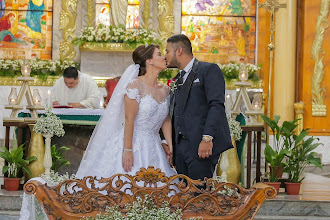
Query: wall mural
[221, 31]
[26, 29]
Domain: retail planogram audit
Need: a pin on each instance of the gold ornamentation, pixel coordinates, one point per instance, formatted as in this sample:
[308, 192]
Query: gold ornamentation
[318, 92]
[146, 13]
[272, 6]
[165, 19]
[299, 108]
[90, 13]
[68, 25]
[115, 47]
[73, 199]
[36, 148]
[234, 170]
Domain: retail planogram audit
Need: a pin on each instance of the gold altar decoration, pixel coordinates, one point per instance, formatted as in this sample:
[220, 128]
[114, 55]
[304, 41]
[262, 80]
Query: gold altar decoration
[115, 47]
[318, 54]
[234, 170]
[299, 108]
[24, 91]
[90, 13]
[68, 25]
[36, 148]
[146, 13]
[165, 19]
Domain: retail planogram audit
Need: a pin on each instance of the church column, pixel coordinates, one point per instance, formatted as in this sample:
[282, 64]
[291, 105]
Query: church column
[285, 60]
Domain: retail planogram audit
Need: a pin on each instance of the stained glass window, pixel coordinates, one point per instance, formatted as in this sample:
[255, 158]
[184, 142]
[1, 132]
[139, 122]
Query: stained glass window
[103, 10]
[221, 31]
[26, 29]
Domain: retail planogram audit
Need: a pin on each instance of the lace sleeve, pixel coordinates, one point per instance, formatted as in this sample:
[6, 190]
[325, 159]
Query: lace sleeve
[133, 91]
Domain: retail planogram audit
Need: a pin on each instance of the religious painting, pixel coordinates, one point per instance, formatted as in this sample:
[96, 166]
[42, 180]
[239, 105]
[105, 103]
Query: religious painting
[221, 31]
[26, 29]
[103, 13]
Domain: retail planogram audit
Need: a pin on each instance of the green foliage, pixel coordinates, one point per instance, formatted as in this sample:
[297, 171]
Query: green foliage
[301, 155]
[168, 73]
[291, 151]
[58, 159]
[15, 161]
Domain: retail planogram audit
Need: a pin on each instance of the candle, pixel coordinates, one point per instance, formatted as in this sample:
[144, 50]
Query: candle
[37, 102]
[243, 76]
[256, 103]
[49, 92]
[25, 69]
[12, 101]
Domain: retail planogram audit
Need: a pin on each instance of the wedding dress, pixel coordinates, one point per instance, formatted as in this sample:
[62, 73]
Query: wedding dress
[103, 157]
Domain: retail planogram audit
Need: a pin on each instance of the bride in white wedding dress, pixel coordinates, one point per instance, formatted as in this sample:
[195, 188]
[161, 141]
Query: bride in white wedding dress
[127, 136]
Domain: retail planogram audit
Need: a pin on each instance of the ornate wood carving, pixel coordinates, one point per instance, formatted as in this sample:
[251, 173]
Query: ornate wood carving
[68, 25]
[318, 92]
[74, 199]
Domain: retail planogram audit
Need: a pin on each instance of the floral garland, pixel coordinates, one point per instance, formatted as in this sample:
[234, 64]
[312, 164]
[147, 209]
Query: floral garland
[231, 71]
[51, 124]
[109, 34]
[40, 68]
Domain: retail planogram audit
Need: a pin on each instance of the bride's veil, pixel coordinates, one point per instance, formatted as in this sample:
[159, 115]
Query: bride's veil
[111, 122]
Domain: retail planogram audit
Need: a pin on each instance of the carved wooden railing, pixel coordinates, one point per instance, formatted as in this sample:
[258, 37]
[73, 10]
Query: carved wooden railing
[74, 199]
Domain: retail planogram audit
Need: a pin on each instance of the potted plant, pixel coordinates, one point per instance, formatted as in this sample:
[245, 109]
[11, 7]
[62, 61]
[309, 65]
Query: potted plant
[299, 157]
[275, 155]
[15, 163]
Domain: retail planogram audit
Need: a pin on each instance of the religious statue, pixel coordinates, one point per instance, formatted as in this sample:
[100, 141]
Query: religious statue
[118, 12]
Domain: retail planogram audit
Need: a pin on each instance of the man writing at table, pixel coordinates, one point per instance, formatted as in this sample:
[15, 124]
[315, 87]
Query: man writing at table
[76, 89]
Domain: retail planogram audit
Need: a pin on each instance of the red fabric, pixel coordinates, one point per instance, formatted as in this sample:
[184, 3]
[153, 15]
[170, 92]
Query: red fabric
[4, 24]
[110, 85]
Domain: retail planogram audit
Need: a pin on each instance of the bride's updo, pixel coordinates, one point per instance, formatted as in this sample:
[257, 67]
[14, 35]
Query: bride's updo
[141, 54]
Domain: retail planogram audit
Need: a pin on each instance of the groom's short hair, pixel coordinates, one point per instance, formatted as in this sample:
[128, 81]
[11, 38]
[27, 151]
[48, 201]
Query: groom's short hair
[182, 41]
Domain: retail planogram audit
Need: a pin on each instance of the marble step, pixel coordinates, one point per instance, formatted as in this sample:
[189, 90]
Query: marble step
[9, 215]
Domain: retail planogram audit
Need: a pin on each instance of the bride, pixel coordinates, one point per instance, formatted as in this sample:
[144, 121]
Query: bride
[127, 136]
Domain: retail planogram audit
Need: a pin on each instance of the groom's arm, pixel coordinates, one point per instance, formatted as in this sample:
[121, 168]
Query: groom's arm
[214, 85]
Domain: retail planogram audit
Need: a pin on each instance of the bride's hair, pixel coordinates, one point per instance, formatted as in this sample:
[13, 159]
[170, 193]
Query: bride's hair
[143, 53]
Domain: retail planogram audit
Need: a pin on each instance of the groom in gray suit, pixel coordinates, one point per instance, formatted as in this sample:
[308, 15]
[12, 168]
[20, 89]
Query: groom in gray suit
[199, 122]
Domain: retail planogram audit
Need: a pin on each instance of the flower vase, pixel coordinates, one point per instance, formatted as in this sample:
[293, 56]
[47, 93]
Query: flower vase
[48, 155]
[37, 149]
[234, 170]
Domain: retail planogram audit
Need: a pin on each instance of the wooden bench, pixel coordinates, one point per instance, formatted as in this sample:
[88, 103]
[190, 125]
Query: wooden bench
[209, 199]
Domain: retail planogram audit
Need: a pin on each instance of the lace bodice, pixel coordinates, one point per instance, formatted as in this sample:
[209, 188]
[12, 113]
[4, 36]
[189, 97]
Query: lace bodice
[153, 105]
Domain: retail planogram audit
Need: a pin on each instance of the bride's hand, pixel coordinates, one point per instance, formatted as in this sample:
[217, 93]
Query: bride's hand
[128, 160]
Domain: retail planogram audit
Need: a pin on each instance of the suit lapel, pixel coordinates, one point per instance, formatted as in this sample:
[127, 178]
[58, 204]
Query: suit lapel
[172, 98]
[189, 81]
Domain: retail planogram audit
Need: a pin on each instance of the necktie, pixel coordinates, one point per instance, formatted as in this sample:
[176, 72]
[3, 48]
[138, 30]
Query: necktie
[180, 79]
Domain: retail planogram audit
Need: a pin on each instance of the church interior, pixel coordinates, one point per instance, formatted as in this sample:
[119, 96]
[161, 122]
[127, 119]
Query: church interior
[273, 55]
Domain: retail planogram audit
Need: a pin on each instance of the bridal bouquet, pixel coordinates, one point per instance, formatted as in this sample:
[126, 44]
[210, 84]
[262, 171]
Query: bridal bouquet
[51, 124]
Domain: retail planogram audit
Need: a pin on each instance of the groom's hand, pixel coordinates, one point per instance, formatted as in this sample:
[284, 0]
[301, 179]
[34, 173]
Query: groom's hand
[205, 149]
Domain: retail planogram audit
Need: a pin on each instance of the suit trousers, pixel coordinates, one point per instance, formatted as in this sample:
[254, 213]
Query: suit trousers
[188, 162]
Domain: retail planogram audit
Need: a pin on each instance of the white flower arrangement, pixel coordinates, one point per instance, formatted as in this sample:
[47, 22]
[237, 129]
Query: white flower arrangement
[234, 128]
[55, 178]
[40, 68]
[231, 70]
[51, 124]
[109, 34]
[141, 209]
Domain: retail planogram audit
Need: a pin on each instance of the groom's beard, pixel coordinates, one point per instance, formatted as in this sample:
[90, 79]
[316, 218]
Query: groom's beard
[174, 63]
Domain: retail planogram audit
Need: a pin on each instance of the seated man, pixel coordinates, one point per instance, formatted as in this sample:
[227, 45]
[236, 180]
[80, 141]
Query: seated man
[76, 89]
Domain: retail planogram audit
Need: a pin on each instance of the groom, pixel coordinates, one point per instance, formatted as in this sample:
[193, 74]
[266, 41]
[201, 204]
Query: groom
[200, 127]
